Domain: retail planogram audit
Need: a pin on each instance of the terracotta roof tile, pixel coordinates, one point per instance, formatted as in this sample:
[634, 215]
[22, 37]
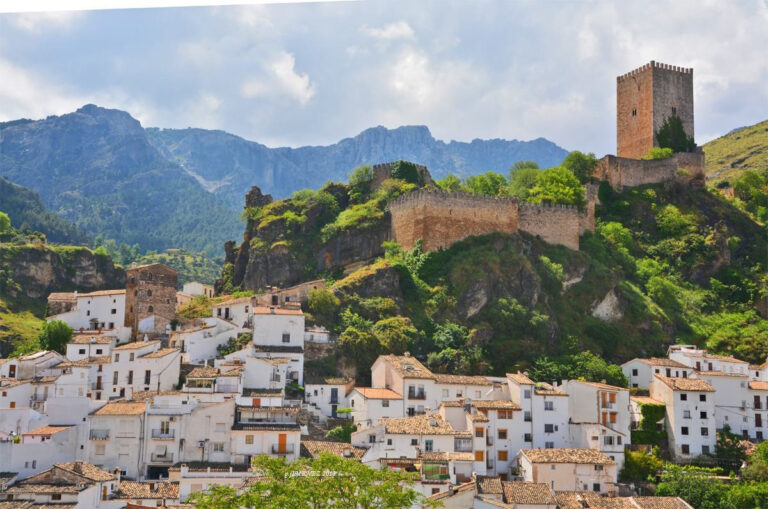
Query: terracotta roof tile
[661, 503]
[433, 424]
[720, 373]
[46, 430]
[545, 389]
[685, 384]
[408, 366]
[102, 293]
[161, 353]
[758, 386]
[529, 493]
[122, 408]
[603, 386]
[478, 417]
[150, 489]
[374, 393]
[467, 486]
[89, 339]
[461, 379]
[326, 380]
[312, 448]
[134, 345]
[662, 361]
[588, 456]
[579, 500]
[203, 372]
[86, 470]
[454, 403]
[520, 378]
[67, 296]
[43, 488]
[646, 400]
[707, 355]
[264, 310]
[489, 485]
[498, 404]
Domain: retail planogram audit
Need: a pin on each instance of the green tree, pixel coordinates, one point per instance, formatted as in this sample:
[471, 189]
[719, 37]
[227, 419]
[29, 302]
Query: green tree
[557, 185]
[522, 182]
[5, 223]
[489, 183]
[672, 135]
[55, 336]
[324, 306]
[522, 165]
[657, 153]
[639, 466]
[360, 183]
[342, 433]
[580, 164]
[406, 170]
[327, 481]
[395, 334]
[697, 487]
[583, 365]
[449, 183]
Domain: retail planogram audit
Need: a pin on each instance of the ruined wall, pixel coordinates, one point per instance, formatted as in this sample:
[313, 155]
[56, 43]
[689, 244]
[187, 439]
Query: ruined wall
[441, 219]
[621, 172]
[587, 216]
[383, 171]
[150, 290]
[556, 224]
[644, 98]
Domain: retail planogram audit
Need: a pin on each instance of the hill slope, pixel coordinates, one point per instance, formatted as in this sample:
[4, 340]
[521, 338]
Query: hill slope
[96, 168]
[742, 149]
[27, 212]
[227, 164]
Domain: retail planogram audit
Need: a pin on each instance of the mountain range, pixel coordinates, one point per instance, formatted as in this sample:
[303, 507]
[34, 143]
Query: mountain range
[183, 188]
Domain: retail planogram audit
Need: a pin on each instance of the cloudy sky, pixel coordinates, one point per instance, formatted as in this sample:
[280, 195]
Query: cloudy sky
[302, 74]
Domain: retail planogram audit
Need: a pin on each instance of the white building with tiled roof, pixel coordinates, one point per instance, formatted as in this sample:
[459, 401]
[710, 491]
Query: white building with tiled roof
[200, 343]
[114, 438]
[569, 469]
[690, 415]
[143, 366]
[369, 405]
[100, 310]
[328, 394]
[545, 411]
[701, 360]
[639, 372]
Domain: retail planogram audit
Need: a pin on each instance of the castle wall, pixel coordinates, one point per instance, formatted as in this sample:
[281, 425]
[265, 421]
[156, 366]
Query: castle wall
[621, 172]
[441, 219]
[644, 98]
[383, 171]
[556, 224]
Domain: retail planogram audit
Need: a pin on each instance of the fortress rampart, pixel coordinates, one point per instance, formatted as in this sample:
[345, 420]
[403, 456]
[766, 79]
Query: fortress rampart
[440, 219]
[621, 172]
[383, 171]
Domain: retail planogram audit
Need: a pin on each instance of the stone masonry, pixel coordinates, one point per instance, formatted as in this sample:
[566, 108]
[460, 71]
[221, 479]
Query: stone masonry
[150, 298]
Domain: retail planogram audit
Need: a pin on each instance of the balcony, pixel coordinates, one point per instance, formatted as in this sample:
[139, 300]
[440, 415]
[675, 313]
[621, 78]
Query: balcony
[160, 434]
[99, 434]
[462, 445]
[417, 395]
[162, 458]
[282, 451]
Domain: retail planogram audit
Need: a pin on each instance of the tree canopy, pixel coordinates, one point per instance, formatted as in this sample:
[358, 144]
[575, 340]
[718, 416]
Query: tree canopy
[580, 164]
[557, 185]
[55, 336]
[672, 135]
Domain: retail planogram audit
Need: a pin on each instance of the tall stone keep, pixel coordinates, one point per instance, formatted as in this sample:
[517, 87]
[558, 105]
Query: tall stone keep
[150, 299]
[644, 98]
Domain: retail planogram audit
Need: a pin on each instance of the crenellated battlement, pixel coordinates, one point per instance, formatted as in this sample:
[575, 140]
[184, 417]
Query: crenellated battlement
[655, 65]
[439, 198]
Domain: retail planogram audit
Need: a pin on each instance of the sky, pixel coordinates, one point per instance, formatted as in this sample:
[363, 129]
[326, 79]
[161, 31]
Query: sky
[312, 74]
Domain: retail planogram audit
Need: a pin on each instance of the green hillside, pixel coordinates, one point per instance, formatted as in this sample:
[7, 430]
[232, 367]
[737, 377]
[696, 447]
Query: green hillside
[744, 149]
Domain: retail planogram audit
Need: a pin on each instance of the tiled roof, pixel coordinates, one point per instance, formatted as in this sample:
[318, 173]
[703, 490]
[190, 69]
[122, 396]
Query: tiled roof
[432, 424]
[478, 417]
[467, 486]
[88, 339]
[102, 293]
[685, 384]
[134, 345]
[520, 378]
[721, 373]
[758, 386]
[203, 372]
[250, 392]
[312, 448]
[121, 408]
[498, 404]
[150, 489]
[264, 310]
[579, 500]
[48, 379]
[70, 296]
[707, 355]
[8, 383]
[646, 400]
[660, 503]
[452, 403]
[545, 389]
[527, 493]
[44, 488]
[101, 359]
[662, 361]
[46, 430]
[374, 393]
[86, 470]
[446, 456]
[489, 485]
[326, 380]
[408, 366]
[461, 379]
[603, 386]
[161, 353]
[230, 302]
[589, 456]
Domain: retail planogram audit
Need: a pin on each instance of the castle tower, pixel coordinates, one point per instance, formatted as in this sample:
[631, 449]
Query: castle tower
[644, 98]
[150, 298]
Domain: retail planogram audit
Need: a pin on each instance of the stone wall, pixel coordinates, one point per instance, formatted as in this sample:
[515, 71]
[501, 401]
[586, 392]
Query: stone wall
[621, 172]
[556, 224]
[383, 171]
[150, 291]
[441, 219]
[644, 98]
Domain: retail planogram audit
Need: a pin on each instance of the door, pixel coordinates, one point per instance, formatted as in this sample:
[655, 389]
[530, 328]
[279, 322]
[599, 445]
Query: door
[333, 411]
[281, 440]
[334, 395]
[758, 421]
[12, 371]
[256, 402]
[104, 492]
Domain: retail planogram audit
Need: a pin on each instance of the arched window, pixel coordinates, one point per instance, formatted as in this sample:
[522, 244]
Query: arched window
[150, 309]
[149, 293]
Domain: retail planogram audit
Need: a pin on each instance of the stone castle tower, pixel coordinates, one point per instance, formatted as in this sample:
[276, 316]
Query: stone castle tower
[150, 299]
[644, 98]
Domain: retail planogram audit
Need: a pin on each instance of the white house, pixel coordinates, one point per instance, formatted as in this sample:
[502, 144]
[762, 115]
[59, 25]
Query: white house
[196, 288]
[701, 360]
[640, 372]
[194, 477]
[40, 449]
[328, 394]
[279, 333]
[237, 311]
[690, 415]
[200, 343]
[104, 309]
[83, 346]
[144, 366]
[370, 404]
[265, 430]
[545, 411]
[758, 420]
[569, 469]
[732, 401]
[317, 335]
[115, 433]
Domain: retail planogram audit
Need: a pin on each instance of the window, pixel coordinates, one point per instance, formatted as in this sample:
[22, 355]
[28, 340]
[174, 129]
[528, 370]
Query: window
[100, 448]
[686, 414]
[502, 456]
[527, 416]
[459, 394]
[596, 486]
[705, 432]
[502, 434]
[131, 357]
[505, 414]
[683, 397]
[88, 313]
[634, 372]
[549, 445]
[612, 417]
[117, 357]
[98, 352]
[56, 496]
[669, 372]
[685, 449]
[674, 110]
[147, 376]
[220, 427]
[657, 370]
[703, 415]
[527, 394]
[249, 439]
[634, 112]
[479, 433]
[385, 403]
[286, 337]
[150, 309]
[428, 445]
[702, 397]
[479, 456]
[114, 378]
[414, 441]
[149, 293]
[549, 405]
[113, 311]
[704, 449]
[618, 440]
[598, 468]
[218, 447]
[445, 393]
[389, 441]
[684, 430]
[130, 377]
[81, 351]
[608, 440]
[549, 428]
[527, 437]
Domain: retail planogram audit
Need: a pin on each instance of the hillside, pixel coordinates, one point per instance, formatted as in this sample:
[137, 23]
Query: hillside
[226, 164]
[27, 212]
[739, 150]
[668, 263]
[95, 168]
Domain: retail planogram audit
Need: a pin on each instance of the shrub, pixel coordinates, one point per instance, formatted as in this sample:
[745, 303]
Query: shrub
[406, 170]
[557, 185]
[672, 135]
[580, 164]
[658, 153]
[639, 466]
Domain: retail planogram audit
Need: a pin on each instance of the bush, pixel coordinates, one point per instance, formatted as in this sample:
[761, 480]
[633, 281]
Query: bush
[558, 185]
[672, 135]
[55, 336]
[639, 466]
[580, 164]
[360, 183]
[406, 170]
[324, 306]
[658, 153]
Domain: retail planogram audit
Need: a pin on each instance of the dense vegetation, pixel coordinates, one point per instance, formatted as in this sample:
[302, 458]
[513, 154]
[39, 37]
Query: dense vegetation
[740, 150]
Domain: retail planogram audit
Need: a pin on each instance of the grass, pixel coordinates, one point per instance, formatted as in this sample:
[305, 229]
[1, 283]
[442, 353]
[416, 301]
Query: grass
[746, 149]
[20, 323]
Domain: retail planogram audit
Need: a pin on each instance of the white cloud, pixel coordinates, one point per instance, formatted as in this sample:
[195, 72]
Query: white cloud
[393, 31]
[39, 21]
[297, 85]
